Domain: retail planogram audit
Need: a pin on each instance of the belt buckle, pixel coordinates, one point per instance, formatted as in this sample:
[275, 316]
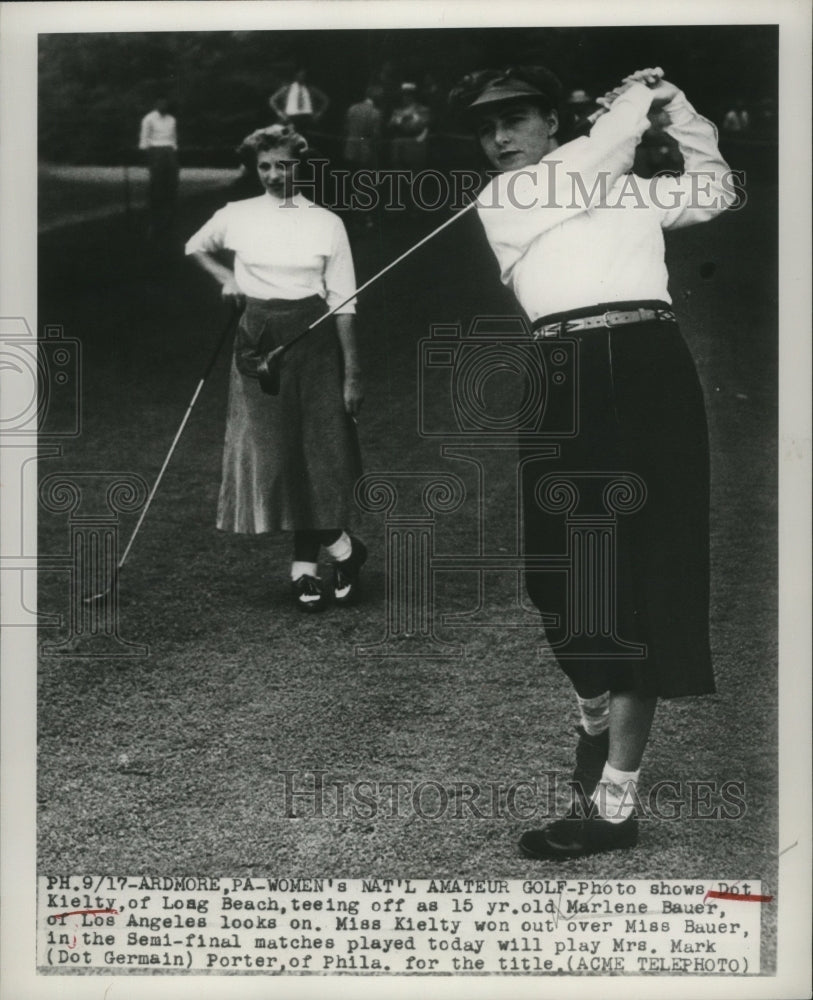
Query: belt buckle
[605, 319]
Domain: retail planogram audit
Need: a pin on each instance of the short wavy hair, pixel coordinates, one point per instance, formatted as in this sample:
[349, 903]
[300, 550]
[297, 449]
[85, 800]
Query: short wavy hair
[273, 137]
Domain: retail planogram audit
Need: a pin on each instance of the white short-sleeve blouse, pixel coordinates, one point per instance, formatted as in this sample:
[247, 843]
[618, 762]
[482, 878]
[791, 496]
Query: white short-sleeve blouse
[283, 249]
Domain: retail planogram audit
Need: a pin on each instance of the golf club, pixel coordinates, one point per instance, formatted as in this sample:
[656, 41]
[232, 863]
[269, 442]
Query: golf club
[227, 329]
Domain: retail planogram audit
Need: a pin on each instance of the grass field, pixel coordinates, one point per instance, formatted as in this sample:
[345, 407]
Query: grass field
[174, 762]
[68, 195]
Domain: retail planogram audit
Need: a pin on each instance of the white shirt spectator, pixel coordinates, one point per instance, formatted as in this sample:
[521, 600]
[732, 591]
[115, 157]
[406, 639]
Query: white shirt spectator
[299, 100]
[577, 229]
[158, 130]
[284, 249]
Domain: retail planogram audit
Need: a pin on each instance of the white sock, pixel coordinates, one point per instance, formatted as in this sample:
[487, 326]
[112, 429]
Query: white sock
[303, 569]
[616, 794]
[341, 548]
[595, 713]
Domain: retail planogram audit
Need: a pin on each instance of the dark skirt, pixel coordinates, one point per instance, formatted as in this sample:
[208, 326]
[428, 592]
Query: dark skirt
[290, 461]
[642, 425]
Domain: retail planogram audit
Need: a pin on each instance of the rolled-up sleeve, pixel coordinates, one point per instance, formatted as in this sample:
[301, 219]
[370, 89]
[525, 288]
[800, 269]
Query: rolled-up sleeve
[340, 275]
[211, 236]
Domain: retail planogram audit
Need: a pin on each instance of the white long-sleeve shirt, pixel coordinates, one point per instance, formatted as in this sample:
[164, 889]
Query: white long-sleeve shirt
[158, 130]
[576, 229]
[283, 249]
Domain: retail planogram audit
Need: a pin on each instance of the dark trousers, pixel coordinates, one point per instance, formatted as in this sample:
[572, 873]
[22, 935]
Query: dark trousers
[163, 186]
[307, 543]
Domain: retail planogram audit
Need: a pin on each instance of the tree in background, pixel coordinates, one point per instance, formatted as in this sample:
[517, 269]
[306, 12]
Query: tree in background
[95, 88]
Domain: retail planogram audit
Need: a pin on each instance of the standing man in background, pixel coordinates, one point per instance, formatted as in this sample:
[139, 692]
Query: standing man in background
[362, 135]
[362, 130]
[299, 103]
[409, 126]
[159, 140]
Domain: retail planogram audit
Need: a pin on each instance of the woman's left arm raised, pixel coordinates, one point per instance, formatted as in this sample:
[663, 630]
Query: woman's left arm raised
[707, 186]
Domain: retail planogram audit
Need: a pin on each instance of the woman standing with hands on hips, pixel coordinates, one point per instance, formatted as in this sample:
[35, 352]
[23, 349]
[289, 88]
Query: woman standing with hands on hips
[290, 461]
[580, 242]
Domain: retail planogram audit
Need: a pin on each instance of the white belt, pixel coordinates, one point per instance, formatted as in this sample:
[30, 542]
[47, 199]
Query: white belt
[607, 319]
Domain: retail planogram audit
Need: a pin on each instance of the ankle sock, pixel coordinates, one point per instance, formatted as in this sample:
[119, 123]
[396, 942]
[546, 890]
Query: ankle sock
[341, 548]
[595, 713]
[616, 794]
[299, 568]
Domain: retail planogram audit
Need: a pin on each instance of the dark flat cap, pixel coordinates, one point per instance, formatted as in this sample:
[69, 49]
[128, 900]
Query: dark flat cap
[512, 83]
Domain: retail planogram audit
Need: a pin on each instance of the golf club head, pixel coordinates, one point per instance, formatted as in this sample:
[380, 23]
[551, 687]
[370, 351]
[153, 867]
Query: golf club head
[268, 372]
[104, 592]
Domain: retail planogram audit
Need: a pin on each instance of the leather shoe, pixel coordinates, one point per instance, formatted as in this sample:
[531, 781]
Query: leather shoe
[308, 594]
[576, 838]
[346, 573]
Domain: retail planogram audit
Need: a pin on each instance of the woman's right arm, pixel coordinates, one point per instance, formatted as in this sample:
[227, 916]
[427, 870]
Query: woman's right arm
[203, 248]
[222, 274]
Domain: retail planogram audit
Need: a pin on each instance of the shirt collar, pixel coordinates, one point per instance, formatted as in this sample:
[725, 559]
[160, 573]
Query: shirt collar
[297, 199]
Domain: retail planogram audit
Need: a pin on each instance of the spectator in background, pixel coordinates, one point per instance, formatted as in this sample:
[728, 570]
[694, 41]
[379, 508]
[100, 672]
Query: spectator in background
[657, 155]
[409, 127]
[159, 140]
[387, 79]
[299, 103]
[737, 119]
[434, 97]
[578, 107]
[362, 131]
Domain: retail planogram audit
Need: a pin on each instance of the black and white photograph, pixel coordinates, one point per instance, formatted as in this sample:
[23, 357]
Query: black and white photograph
[406, 475]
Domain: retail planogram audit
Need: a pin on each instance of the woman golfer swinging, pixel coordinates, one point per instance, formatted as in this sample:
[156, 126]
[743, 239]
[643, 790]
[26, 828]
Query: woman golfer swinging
[290, 461]
[584, 254]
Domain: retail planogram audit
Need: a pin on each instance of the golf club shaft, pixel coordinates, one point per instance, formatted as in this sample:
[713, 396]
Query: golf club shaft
[380, 274]
[591, 120]
[220, 341]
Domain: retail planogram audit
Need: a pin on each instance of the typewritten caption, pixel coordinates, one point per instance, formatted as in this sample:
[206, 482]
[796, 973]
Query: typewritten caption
[290, 926]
